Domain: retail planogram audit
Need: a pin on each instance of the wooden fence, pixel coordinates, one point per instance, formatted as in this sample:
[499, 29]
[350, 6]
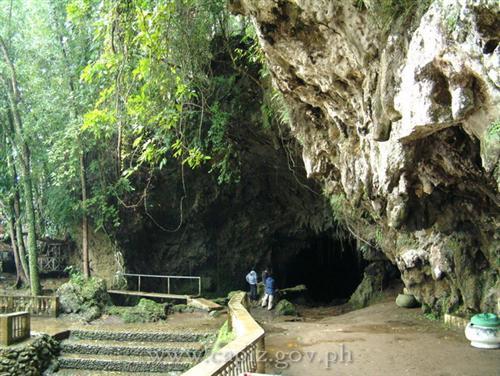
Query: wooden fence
[14, 327]
[46, 306]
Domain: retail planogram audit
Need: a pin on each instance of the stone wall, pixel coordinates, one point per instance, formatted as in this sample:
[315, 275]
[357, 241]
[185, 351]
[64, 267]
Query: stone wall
[29, 358]
[105, 256]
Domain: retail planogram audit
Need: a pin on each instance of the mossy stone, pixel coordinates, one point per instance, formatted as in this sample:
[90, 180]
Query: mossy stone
[285, 308]
[406, 301]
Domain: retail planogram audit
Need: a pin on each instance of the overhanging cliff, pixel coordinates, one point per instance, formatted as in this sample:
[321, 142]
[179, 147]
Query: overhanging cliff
[398, 118]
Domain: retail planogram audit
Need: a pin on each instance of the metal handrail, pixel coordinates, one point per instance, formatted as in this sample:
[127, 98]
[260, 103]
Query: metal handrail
[167, 277]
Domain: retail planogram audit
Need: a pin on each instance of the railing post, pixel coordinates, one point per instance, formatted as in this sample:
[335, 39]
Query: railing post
[27, 326]
[4, 331]
[261, 363]
[199, 286]
[139, 283]
[54, 306]
[168, 285]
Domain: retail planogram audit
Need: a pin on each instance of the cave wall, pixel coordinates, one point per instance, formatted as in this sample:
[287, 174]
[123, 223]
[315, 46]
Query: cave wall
[225, 229]
[189, 224]
[394, 122]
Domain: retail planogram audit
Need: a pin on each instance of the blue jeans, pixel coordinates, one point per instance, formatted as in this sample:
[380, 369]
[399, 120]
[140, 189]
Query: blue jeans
[253, 292]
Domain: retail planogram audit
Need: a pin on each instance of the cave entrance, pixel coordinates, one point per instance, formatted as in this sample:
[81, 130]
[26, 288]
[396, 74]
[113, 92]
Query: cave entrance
[330, 268]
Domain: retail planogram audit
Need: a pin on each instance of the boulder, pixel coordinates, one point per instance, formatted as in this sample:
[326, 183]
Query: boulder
[86, 298]
[285, 308]
[406, 301]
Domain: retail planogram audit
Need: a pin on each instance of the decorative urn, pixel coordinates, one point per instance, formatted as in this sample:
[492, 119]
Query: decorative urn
[483, 331]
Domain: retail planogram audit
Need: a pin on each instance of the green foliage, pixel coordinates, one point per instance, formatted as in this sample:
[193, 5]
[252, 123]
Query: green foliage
[340, 206]
[75, 275]
[452, 19]
[285, 308]
[454, 244]
[406, 241]
[493, 132]
[84, 297]
[224, 336]
[431, 316]
[114, 91]
[274, 109]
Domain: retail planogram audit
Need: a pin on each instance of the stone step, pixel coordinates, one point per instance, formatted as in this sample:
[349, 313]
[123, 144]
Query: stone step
[82, 372]
[121, 363]
[204, 304]
[141, 336]
[134, 348]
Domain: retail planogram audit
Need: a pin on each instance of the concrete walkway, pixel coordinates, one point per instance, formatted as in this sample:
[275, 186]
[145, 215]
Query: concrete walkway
[379, 340]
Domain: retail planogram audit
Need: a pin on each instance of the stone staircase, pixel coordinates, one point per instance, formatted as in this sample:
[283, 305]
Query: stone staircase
[96, 352]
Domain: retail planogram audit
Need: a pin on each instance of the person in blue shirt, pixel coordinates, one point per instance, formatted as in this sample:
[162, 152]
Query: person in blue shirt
[269, 291]
[252, 281]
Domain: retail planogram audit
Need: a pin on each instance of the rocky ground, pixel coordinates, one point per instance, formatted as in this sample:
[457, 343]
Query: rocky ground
[378, 340]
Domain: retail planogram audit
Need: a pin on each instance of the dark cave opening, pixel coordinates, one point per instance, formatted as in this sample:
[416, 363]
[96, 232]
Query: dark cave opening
[330, 268]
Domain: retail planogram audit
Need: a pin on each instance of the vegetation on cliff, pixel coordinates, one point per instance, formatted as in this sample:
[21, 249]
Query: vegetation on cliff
[98, 96]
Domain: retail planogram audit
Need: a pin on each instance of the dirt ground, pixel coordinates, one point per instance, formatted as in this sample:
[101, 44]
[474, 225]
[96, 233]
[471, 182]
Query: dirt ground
[378, 340]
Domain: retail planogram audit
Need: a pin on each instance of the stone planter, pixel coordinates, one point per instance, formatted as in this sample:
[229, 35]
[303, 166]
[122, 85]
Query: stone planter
[483, 331]
[406, 301]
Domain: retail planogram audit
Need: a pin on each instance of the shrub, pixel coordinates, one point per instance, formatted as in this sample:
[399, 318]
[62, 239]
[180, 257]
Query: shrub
[84, 297]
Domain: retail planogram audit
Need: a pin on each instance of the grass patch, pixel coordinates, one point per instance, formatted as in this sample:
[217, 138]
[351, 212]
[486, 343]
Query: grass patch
[431, 316]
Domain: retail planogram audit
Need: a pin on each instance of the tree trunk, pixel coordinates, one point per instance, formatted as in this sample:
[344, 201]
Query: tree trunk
[19, 235]
[20, 275]
[16, 218]
[85, 224]
[24, 157]
[31, 222]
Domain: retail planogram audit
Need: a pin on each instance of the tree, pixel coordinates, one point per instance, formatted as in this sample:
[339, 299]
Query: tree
[8, 197]
[12, 90]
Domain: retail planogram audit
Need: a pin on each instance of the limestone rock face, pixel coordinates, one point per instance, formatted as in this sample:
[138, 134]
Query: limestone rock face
[396, 124]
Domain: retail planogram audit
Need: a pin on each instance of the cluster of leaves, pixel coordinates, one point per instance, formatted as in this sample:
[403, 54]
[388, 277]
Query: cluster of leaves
[115, 90]
[156, 87]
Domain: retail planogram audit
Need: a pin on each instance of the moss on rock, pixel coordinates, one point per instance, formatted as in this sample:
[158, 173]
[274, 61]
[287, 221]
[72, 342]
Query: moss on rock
[145, 311]
[224, 336]
[84, 297]
[286, 308]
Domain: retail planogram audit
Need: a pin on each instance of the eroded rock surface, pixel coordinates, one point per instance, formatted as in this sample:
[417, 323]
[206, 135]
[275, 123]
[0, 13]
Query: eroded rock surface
[395, 122]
